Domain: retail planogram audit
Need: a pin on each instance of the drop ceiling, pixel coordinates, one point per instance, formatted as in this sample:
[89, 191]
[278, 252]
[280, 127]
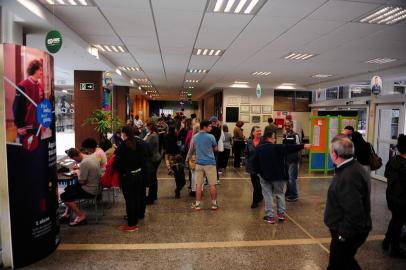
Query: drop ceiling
[160, 36]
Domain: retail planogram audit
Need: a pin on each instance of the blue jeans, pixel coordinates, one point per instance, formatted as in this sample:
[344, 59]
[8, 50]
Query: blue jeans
[276, 188]
[293, 169]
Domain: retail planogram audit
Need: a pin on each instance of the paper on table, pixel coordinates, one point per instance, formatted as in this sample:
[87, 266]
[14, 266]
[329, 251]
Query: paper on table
[316, 136]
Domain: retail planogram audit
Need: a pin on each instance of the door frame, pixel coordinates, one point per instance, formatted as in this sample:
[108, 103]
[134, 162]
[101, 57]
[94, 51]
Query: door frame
[401, 107]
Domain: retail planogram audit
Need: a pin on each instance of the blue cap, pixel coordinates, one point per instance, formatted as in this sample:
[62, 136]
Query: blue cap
[213, 119]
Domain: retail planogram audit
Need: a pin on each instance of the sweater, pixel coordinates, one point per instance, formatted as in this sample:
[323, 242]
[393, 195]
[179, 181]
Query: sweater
[348, 207]
[269, 160]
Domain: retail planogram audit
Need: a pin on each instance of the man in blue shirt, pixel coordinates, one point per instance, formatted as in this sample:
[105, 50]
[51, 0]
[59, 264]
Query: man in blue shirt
[205, 144]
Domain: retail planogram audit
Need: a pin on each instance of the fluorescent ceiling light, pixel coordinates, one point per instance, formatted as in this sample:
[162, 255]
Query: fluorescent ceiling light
[72, 2]
[236, 6]
[192, 81]
[321, 75]
[240, 6]
[110, 48]
[239, 82]
[285, 86]
[288, 84]
[65, 91]
[83, 2]
[381, 61]
[299, 56]
[197, 70]
[33, 7]
[140, 79]
[130, 68]
[146, 85]
[208, 52]
[61, 2]
[239, 85]
[118, 71]
[131, 82]
[94, 51]
[261, 73]
[386, 15]
[50, 2]
[229, 5]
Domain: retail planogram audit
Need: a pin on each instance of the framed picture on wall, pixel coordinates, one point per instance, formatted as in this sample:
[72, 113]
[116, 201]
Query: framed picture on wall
[232, 114]
[232, 101]
[245, 108]
[245, 100]
[265, 117]
[267, 109]
[245, 118]
[256, 109]
[255, 119]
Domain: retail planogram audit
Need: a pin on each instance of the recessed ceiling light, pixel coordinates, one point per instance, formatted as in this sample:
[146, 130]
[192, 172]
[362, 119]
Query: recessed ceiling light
[321, 75]
[197, 70]
[143, 80]
[208, 52]
[110, 48]
[192, 81]
[299, 56]
[248, 7]
[239, 82]
[130, 68]
[386, 15]
[261, 73]
[381, 61]
[67, 2]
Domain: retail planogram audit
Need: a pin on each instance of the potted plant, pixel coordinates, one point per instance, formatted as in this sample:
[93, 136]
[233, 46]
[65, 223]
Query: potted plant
[104, 122]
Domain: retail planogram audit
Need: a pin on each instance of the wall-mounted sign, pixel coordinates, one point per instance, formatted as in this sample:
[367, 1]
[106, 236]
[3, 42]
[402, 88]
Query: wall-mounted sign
[376, 85]
[53, 41]
[258, 91]
[86, 86]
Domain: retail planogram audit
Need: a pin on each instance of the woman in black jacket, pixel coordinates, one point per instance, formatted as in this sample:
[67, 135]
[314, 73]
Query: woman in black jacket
[130, 162]
[152, 140]
[395, 172]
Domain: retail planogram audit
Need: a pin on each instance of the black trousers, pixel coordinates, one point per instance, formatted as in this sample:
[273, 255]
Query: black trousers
[133, 188]
[180, 182]
[342, 254]
[223, 158]
[153, 182]
[257, 192]
[395, 225]
[238, 147]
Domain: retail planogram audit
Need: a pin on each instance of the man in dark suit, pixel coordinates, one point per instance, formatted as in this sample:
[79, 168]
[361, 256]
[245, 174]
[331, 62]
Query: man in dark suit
[348, 207]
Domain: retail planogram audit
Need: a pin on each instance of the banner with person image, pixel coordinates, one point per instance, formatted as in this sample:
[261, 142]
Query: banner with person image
[28, 84]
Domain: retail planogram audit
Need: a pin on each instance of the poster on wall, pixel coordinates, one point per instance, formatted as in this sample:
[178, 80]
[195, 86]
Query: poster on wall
[107, 90]
[31, 152]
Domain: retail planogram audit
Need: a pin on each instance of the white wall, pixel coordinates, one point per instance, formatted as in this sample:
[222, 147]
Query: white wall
[265, 99]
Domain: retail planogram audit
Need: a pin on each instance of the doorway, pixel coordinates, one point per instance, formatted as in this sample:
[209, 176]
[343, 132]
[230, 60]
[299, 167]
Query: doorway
[389, 123]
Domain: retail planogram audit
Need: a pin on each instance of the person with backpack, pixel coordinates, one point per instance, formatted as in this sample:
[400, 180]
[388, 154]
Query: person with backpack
[395, 172]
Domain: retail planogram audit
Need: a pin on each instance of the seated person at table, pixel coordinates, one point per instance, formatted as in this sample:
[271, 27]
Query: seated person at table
[90, 147]
[87, 187]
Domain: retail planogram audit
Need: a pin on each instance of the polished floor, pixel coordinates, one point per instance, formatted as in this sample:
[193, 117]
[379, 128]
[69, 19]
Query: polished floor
[172, 236]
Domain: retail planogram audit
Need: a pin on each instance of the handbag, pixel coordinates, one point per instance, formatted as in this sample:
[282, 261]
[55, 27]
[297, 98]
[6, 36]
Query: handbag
[375, 162]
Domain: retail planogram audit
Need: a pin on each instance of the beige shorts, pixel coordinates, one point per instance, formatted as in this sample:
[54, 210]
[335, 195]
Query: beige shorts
[209, 171]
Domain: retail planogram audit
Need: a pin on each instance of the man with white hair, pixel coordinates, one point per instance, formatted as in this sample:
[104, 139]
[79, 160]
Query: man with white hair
[348, 207]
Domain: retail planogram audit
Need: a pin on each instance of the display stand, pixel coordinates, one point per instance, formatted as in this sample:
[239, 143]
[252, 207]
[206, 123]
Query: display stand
[322, 130]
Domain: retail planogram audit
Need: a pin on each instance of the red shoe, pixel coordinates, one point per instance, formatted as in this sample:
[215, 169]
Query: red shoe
[126, 228]
[281, 217]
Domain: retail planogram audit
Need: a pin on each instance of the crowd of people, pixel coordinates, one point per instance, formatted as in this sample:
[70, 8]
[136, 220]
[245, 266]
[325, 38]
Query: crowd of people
[201, 150]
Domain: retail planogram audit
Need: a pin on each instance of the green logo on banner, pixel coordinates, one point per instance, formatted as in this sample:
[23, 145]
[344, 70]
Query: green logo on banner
[53, 41]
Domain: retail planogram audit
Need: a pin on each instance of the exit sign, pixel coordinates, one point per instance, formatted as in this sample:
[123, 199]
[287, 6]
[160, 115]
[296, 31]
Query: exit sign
[86, 86]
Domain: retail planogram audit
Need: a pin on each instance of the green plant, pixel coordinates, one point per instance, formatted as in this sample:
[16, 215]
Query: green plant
[103, 122]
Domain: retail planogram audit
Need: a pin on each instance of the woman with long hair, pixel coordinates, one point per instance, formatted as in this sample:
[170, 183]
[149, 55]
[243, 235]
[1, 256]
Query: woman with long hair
[131, 164]
[152, 140]
[253, 142]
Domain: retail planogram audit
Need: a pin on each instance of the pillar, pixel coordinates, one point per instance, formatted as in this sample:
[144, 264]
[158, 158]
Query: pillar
[86, 101]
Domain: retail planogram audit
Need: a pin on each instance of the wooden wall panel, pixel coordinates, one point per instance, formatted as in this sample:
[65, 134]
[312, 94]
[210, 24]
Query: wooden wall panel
[86, 102]
[120, 101]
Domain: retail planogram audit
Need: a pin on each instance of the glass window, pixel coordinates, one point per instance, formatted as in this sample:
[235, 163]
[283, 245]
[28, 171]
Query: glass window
[65, 115]
[360, 91]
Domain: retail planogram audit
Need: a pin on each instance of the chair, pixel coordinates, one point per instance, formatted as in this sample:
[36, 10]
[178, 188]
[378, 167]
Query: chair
[95, 200]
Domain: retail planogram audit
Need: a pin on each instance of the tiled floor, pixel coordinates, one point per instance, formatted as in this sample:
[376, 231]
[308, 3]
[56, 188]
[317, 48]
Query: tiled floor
[172, 236]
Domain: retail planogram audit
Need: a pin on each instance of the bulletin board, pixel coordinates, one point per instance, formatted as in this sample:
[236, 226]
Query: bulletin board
[322, 130]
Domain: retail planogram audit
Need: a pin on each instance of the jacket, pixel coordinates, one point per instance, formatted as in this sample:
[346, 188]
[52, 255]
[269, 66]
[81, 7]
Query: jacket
[110, 178]
[348, 206]
[249, 155]
[25, 113]
[291, 138]
[269, 160]
[395, 172]
[152, 141]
